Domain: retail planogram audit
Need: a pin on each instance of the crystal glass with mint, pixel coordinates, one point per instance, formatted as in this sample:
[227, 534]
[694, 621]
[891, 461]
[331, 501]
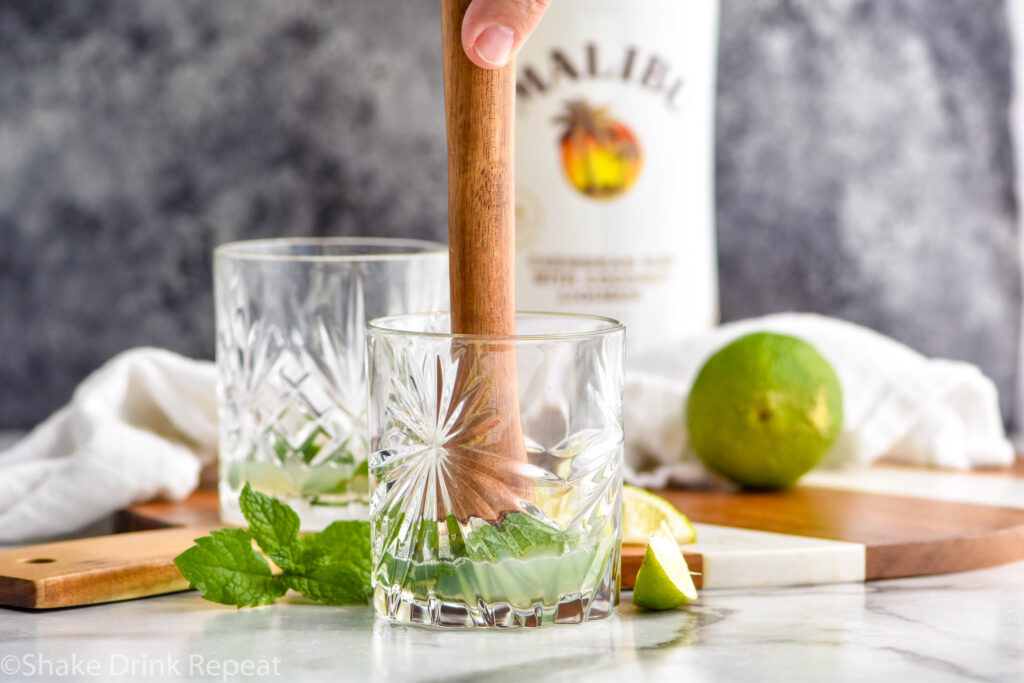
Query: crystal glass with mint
[472, 527]
[291, 338]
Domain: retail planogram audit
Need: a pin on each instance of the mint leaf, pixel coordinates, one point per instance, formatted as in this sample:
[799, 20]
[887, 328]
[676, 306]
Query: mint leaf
[530, 536]
[519, 535]
[334, 565]
[331, 584]
[345, 541]
[226, 569]
[274, 525]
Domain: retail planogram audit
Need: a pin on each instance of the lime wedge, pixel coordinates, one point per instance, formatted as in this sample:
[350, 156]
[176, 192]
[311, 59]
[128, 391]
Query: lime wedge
[644, 513]
[664, 580]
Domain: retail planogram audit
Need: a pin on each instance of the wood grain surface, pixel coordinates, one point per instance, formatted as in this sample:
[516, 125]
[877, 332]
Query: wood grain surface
[480, 111]
[902, 535]
[94, 570]
[480, 115]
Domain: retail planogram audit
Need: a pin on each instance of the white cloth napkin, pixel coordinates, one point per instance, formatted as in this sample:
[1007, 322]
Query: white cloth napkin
[896, 402]
[143, 425]
[139, 428]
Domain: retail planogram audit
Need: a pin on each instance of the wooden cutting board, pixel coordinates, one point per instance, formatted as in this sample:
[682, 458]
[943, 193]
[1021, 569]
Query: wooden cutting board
[884, 522]
[887, 522]
[88, 571]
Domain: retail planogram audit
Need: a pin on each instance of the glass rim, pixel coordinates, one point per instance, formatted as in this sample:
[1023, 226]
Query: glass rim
[611, 326]
[392, 249]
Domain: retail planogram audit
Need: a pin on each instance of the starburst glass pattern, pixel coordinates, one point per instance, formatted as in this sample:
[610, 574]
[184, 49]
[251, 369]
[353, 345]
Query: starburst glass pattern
[291, 331]
[496, 471]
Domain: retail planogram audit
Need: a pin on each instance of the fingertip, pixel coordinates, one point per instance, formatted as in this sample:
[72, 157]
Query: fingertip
[488, 41]
[494, 45]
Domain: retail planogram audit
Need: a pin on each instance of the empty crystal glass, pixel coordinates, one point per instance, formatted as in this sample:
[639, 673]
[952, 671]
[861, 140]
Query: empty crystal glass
[496, 470]
[291, 324]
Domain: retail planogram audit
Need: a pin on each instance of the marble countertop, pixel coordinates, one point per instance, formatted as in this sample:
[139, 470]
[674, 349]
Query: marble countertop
[967, 626]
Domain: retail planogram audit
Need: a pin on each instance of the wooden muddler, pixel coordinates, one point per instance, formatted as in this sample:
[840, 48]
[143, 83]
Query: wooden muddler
[488, 455]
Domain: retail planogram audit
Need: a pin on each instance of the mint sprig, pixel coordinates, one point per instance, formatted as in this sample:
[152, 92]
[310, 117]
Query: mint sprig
[331, 567]
[227, 570]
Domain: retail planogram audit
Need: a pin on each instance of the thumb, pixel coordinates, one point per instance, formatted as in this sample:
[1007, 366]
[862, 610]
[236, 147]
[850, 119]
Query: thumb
[493, 30]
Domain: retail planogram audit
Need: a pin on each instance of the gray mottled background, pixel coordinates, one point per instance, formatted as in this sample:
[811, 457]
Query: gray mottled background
[864, 164]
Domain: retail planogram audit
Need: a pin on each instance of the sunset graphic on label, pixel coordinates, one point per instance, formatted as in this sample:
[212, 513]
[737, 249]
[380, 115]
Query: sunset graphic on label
[601, 156]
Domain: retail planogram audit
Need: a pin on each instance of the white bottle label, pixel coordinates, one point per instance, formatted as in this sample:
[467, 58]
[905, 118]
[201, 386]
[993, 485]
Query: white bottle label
[614, 144]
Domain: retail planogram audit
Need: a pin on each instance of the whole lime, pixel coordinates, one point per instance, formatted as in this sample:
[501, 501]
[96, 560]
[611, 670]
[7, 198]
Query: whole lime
[764, 410]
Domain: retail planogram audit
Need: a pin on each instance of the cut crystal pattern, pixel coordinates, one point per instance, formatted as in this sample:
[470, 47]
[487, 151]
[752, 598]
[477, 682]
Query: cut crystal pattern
[467, 533]
[292, 377]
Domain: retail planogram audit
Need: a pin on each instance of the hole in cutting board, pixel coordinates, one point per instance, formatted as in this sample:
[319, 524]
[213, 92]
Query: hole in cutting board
[38, 560]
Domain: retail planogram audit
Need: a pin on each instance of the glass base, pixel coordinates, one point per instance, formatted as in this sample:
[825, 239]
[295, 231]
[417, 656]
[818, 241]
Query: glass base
[400, 606]
[435, 612]
[311, 517]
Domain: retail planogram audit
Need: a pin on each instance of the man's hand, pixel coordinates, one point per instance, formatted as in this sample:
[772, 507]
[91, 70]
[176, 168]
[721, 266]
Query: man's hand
[494, 30]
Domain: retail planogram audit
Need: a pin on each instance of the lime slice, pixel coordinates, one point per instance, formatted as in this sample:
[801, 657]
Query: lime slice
[643, 513]
[664, 580]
